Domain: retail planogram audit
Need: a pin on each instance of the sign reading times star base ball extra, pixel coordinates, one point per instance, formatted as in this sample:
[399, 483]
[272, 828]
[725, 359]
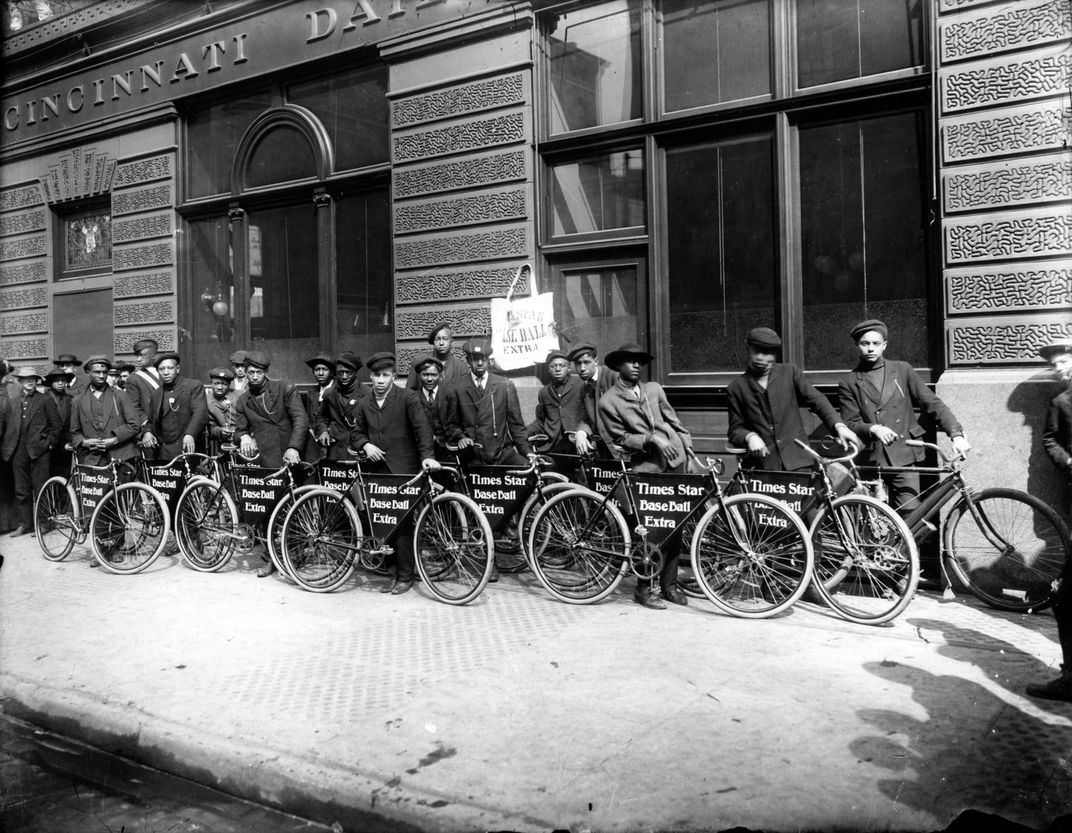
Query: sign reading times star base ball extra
[796, 489]
[95, 484]
[498, 493]
[169, 481]
[664, 500]
[258, 493]
[389, 501]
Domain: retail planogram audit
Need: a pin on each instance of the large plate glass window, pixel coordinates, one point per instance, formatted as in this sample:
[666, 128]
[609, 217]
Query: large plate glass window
[598, 193]
[212, 134]
[363, 273]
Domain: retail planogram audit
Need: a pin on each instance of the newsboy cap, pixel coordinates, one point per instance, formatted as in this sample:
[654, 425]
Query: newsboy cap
[867, 326]
[378, 361]
[170, 354]
[432, 333]
[763, 337]
[477, 347]
[581, 349]
[1055, 349]
[257, 358]
[421, 362]
[98, 359]
[349, 359]
[555, 354]
[321, 358]
[224, 373]
[142, 343]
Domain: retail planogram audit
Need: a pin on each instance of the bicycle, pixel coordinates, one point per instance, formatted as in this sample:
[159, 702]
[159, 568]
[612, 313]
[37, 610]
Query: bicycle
[751, 554]
[324, 534]
[1007, 547]
[128, 522]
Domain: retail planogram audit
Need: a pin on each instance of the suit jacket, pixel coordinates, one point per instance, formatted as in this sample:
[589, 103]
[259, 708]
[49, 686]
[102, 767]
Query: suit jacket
[63, 407]
[492, 418]
[112, 415]
[140, 387]
[313, 398]
[336, 415]
[174, 414]
[221, 415]
[561, 409]
[438, 414]
[774, 414]
[862, 406]
[593, 420]
[630, 421]
[42, 425]
[454, 370]
[1057, 435]
[275, 418]
[400, 429]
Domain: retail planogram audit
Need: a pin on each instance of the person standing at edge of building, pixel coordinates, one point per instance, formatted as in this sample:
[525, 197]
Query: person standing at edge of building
[219, 400]
[597, 380]
[144, 380]
[33, 428]
[441, 337]
[9, 390]
[335, 417]
[58, 382]
[270, 421]
[1057, 440]
[391, 428]
[642, 426]
[322, 366]
[878, 400]
[177, 411]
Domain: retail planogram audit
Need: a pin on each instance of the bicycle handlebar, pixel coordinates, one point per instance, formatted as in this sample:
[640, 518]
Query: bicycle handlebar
[946, 458]
[826, 461]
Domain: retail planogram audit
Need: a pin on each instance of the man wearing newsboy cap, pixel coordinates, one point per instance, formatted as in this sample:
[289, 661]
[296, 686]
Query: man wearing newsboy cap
[104, 423]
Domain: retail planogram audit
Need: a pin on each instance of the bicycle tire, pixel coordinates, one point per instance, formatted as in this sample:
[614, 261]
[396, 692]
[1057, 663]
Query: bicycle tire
[687, 582]
[206, 525]
[57, 519]
[454, 550]
[528, 512]
[320, 538]
[866, 560]
[772, 570]
[580, 545]
[273, 532]
[1021, 577]
[129, 528]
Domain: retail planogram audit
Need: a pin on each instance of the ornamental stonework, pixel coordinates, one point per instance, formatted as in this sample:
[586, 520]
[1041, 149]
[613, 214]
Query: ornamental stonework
[22, 273]
[139, 257]
[466, 210]
[1004, 341]
[22, 222]
[1004, 27]
[143, 170]
[1026, 129]
[129, 313]
[1010, 288]
[123, 342]
[1043, 179]
[952, 5]
[22, 197]
[142, 227]
[433, 285]
[36, 296]
[476, 134]
[1013, 80]
[142, 199]
[486, 94]
[143, 284]
[464, 321]
[409, 352]
[21, 349]
[34, 322]
[23, 247]
[462, 247]
[1003, 237]
[471, 172]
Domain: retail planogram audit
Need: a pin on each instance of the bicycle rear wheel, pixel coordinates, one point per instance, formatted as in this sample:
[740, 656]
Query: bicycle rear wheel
[319, 541]
[1010, 553]
[866, 561]
[129, 528]
[55, 522]
[752, 556]
[206, 526]
[580, 546]
[454, 548]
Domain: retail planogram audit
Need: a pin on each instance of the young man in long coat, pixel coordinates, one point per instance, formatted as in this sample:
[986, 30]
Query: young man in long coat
[433, 396]
[441, 337]
[177, 411]
[104, 424]
[597, 380]
[219, 400]
[33, 428]
[335, 415]
[58, 382]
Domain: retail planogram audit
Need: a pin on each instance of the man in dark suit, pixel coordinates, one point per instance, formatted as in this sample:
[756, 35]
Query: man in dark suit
[104, 424]
[560, 405]
[177, 411]
[433, 396]
[878, 401]
[322, 365]
[220, 399]
[441, 337]
[764, 408]
[335, 414]
[144, 380]
[597, 380]
[1057, 440]
[391, 427]
[33, 428]
[58, 382]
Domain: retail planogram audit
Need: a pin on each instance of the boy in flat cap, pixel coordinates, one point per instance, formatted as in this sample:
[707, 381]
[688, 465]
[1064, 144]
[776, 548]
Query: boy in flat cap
[177, 411]
[60, 458]
[560, 406]
[597, 380]
[69, 363]
[441, 337]
[104, 424]
[764, 408]
[219, 400]
[238, 365]
[335, 416]
[878, 401]
[433, 396]
[392, 429]
[322, 365]
[32, 429]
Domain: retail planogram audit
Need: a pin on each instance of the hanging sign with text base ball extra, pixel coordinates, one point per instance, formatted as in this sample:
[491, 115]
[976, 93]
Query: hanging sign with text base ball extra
[498, 493]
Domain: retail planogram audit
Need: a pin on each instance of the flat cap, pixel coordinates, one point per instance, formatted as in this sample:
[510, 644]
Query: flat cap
[1055, 349]
[257, 358]
[98, 359]
[432, 333]
[321, 358]
[224, 373]
[238, 357]
[67, 358]
[629, 350]
[121, 365]
[142, 343]
[348, 359]
[421, 362]
[867, 326]
[580, 349]
[170, 354]
[556, 354]
[378, 361]
[763, 337]
[477, 347]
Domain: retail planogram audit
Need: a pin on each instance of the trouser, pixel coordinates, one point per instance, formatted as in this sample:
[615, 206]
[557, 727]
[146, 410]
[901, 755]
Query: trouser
[404, 560]
[903, 488]
[30, 477]
[1062, 612]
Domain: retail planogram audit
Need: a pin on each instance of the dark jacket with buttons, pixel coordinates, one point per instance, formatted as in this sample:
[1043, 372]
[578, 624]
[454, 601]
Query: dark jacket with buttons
[275, 418]
[42, 425]
[399, 428]
[1057, 435]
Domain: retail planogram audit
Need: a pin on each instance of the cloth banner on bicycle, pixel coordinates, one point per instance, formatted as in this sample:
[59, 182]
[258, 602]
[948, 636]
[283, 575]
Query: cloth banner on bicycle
[795, 488]
[258, 493]
[94, 486]
[664, 500]
[498, 493]
[388, 501]
[522, 329]
[601, 475]
[168, 480]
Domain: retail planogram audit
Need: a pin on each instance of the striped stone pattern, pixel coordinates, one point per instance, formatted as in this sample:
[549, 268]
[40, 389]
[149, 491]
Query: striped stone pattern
[25, 266]
[1006, 178]
[144, 257]
[463, 201]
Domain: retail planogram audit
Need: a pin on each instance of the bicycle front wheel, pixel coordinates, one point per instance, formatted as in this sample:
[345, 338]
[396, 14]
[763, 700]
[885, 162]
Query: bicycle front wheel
[55, 520]
[1010, 551]
[580, 546]
[866, 560]
[206, 526]
[319, 542]
[129, 528]
[751, 556]
[454, 548]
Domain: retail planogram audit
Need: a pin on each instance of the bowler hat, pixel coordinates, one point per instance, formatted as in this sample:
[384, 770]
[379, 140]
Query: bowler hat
[56, 375]
[257, 358]
[432, 333]
[763, 337]
[27, 372]
[478, 347]
[224, 373]
[321, 358]
[142, 343]
[628, 351]
[378, 361]
[421, 362]
[1055, 349]
[581, 349]
[67, 358]
[867, 326]
[98, 359]
[348, 359]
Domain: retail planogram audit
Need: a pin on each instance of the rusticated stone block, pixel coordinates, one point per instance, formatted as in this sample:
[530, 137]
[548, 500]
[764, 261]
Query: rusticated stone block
[432, 285]
[1010, 287]
[143, 199]
[462, 210]
[1006, 80]
[23, 272]
[23, 247]
[954, 5]
[140, 257]
[460, 100]
[123, 341]
[463, 247]
[30, 322]
[1024, 182]
[457, 174]
[1008, 236]
[997, 29]
[14, 298]
[155, 311]
[142, 227]
[1025, 129]
[415, 323]
[996, 341]
[22, 222]
[143, 170]
[408, 352]
[142, 284]
[460, 137]
[24, 196]
[24, 349]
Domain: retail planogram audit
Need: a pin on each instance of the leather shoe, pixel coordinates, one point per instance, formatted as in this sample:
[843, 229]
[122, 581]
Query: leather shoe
[390, 586]
[494, 573]
[21, 530]
[266, 570]
[675, 596]
[401, 587]
[1059, 689]
[645, 599]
